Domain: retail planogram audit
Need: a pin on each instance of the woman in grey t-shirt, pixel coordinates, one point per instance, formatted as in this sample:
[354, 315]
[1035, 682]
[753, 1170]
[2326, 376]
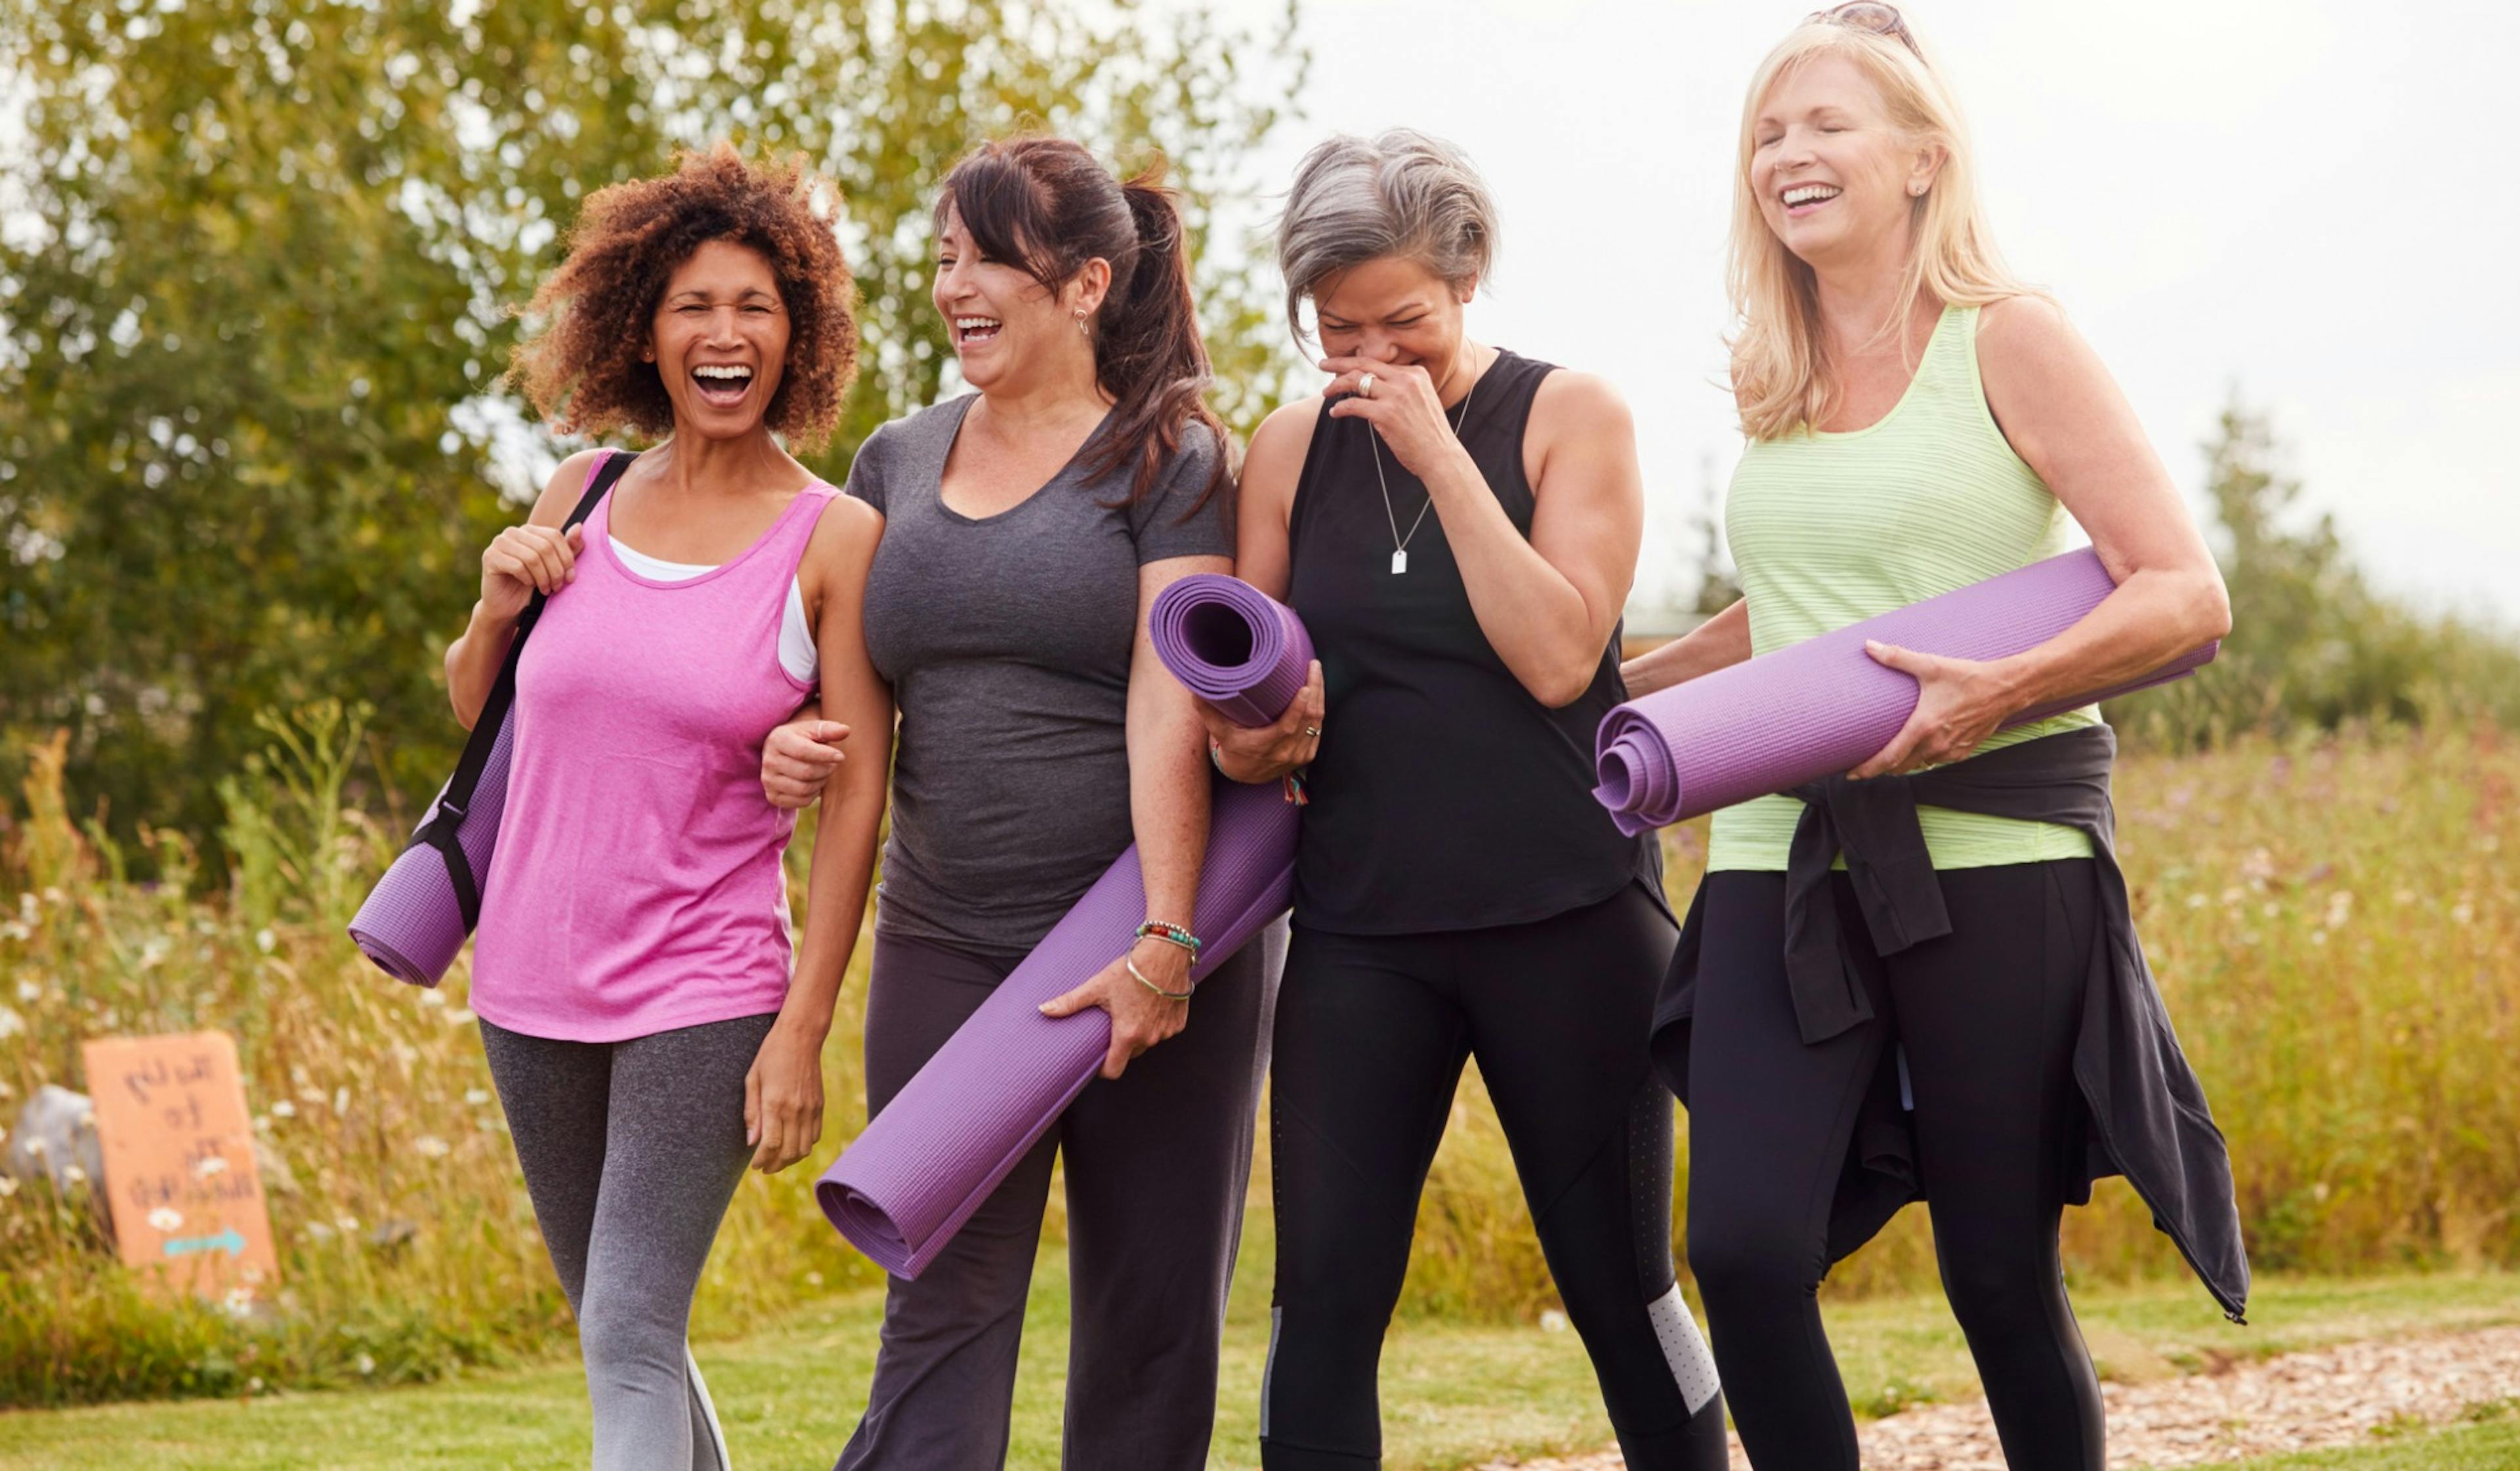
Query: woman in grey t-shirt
[1026, 527]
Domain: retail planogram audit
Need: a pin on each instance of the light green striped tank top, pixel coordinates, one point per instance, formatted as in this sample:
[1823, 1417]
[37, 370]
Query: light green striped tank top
[1828, 530]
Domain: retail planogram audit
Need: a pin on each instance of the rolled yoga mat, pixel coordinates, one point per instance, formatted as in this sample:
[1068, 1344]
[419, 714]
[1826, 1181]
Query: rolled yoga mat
[411, 924]
[907, 1183]
[1823, 705]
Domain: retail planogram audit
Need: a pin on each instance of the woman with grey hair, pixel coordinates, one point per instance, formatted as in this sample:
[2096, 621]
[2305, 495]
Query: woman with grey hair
[1456, 524]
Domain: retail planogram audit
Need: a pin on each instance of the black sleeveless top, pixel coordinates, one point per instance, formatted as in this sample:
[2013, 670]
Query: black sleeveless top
[1444, 797]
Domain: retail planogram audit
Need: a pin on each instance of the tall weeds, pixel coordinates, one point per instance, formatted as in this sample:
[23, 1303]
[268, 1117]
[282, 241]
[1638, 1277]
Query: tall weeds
[2336, 925]
[406, 1243]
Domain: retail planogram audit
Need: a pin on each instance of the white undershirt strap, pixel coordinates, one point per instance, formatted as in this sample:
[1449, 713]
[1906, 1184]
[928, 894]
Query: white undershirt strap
[797, 652]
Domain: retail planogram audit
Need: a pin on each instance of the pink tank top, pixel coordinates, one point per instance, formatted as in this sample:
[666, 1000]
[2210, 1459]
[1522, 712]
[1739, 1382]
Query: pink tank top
[636, 887]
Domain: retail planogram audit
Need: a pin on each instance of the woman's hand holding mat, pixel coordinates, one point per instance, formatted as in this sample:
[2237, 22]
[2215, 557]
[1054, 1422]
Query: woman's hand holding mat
[921, 1166]
[1826, 706]
[1139, 1018]
[1960, 703]
[1268, 753]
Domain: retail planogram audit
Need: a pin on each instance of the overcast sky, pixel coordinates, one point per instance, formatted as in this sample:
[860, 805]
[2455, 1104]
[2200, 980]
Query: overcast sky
[2303, 198]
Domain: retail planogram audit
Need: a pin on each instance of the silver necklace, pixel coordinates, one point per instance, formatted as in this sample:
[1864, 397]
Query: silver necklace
[1400, 544]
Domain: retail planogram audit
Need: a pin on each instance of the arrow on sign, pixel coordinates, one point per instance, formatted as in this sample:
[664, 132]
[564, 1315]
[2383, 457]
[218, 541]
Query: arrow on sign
[229, 1241]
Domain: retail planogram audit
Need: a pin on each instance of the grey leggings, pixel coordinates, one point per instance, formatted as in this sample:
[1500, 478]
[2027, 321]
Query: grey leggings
[1158, 1160]
[631, 1151]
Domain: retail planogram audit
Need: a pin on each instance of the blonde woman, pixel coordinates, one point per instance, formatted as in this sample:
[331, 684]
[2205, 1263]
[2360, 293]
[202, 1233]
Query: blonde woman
[1918, 421]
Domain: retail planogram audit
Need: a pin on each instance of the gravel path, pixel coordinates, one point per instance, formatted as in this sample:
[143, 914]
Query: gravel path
[2297, 1401]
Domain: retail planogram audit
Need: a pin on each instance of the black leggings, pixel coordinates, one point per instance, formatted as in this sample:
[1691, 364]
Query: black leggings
[1371, 1033]
[1986, 1018]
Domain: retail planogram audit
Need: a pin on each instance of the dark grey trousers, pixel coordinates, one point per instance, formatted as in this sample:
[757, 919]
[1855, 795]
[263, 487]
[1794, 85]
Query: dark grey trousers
[1158, 1161]
[631, 1151]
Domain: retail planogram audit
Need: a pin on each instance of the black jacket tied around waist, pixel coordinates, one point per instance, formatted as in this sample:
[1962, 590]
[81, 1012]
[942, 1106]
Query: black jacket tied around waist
[2146, 1114]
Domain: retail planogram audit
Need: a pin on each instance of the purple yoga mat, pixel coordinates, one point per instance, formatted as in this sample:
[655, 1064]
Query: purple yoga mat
[1232, 645]
[411, 925]
[907, 1183]
[1823, 705]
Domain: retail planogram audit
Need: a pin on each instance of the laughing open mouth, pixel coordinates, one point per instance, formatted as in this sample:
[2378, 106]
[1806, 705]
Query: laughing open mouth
[722, 383]
[1802, 196]
[973, 331]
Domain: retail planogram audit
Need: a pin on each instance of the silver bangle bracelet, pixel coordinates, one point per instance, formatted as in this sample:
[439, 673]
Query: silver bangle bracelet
[1131, 961]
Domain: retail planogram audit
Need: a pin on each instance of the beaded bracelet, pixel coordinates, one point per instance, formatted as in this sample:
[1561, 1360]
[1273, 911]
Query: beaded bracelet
[1172, 934]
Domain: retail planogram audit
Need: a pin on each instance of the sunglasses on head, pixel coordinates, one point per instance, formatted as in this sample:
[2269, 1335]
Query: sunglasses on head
[1871, 17]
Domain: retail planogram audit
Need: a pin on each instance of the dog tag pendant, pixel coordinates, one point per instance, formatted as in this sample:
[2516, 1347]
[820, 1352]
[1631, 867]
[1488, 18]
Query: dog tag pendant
[1399, 563]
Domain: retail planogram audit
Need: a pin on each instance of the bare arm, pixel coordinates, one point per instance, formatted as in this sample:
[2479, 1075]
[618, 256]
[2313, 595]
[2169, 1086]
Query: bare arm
[1545, 604]
[2054, 401]
[519, 562]
[2066, 417]
[1717, 643]
[1167, 759]
[1168, 807]
[784, 1095]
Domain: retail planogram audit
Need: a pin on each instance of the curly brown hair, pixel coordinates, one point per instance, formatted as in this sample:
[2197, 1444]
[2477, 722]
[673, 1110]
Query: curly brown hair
[582, 370]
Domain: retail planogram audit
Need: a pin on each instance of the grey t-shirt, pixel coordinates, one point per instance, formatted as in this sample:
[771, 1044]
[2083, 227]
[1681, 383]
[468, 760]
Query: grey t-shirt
[1007, 640]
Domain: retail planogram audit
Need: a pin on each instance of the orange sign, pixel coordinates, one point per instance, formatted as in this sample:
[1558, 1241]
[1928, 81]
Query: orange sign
[178, 1147]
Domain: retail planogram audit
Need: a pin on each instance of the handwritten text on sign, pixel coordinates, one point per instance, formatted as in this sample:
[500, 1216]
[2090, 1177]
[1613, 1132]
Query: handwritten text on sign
[178, 1146]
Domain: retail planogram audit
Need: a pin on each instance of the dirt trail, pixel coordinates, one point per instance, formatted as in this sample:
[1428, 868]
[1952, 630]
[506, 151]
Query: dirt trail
[2335, 1396]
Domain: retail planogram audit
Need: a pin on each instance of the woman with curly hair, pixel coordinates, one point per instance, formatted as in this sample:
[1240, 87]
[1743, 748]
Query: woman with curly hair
[646, 1025]
[1027, 524]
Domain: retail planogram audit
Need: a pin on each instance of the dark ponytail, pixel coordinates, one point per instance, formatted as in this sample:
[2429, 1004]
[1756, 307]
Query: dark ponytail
[1046, 205]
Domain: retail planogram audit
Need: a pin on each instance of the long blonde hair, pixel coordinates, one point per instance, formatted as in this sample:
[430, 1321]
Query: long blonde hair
[1779, 362]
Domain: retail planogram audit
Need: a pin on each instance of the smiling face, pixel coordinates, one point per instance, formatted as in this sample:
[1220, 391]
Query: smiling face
[1393, 310]
[1005, 325]
[1835, 179]
[719, 339]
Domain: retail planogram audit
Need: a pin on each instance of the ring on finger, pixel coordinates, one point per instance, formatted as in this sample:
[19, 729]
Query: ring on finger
[1365, 387]
[1313, 731]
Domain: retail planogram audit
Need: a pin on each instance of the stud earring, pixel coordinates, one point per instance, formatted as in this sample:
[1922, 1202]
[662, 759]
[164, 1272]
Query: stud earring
[1916, 190]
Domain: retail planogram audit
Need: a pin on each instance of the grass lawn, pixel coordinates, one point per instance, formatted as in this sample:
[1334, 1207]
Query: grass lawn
[1452, 1395]
[2493, 1447]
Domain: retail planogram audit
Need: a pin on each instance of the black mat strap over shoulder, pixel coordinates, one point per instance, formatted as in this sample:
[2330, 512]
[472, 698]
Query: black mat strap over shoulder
[439, 831]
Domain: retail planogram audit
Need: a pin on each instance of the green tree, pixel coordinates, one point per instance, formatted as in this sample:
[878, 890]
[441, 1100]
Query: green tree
[2314, 645]
[254, 292]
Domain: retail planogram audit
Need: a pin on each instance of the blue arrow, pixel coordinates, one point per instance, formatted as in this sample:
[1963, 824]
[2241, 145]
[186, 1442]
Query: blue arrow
[228, 1241]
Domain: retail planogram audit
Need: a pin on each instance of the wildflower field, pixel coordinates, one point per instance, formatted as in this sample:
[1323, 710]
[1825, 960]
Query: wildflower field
[2336, 924]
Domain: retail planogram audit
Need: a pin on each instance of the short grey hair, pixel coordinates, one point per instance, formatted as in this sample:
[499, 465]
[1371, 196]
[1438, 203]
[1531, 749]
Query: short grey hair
[1401, 193]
